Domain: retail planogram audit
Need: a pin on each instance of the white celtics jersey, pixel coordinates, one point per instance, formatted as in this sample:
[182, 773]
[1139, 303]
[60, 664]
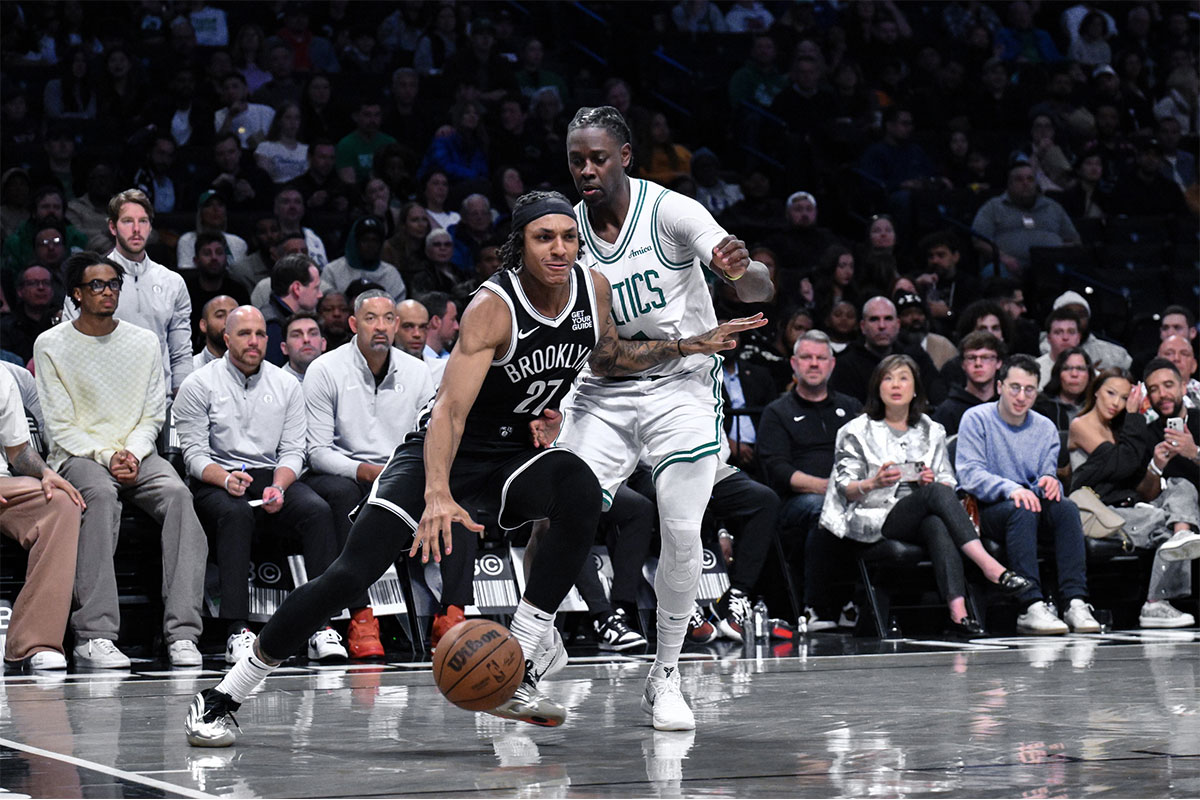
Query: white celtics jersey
[656, 268]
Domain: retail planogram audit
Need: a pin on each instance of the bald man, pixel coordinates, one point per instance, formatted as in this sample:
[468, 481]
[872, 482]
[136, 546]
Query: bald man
[212, 327]
[242, 426]
[413, 327]
[1178, 350]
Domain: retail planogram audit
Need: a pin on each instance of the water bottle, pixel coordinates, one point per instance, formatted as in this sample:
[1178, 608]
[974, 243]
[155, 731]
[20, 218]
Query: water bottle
[761, 621]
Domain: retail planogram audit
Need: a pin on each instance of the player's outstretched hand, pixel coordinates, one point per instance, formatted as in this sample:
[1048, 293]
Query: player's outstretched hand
[544, 430]
[720, 337]
[433, 531]
[731, 257]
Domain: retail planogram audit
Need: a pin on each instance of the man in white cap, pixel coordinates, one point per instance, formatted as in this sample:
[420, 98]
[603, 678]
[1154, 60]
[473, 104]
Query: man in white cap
[1103, 353]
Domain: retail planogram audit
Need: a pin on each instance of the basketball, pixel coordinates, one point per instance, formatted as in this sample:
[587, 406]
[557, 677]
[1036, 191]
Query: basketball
[478, 664]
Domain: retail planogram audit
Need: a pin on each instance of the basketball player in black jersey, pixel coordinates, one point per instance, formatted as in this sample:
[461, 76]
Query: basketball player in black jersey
[523, 339]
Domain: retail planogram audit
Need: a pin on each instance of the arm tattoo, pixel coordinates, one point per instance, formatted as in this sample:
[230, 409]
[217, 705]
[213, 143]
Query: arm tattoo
[28, 462]
[614, 357]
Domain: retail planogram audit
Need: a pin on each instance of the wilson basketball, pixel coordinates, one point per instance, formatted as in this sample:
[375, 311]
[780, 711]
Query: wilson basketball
[478, 665]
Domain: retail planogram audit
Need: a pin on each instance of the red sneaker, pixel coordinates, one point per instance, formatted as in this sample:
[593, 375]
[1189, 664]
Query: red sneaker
[444, 622]
[362, 637]
[700, 630]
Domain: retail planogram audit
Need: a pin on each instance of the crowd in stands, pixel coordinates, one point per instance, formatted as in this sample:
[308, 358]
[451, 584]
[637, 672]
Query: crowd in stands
[990, 205]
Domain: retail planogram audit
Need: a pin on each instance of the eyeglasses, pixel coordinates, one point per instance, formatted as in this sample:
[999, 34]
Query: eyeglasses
[98, 286]
[1016, 389]
[980, 358]
[48, 242]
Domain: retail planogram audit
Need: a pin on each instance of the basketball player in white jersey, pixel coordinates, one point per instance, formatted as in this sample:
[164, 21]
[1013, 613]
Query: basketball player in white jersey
[652, 246]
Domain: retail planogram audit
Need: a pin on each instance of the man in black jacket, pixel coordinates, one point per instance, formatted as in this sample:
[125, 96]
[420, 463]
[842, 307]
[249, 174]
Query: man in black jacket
[795, 448]
[981, 357]
[880, 328]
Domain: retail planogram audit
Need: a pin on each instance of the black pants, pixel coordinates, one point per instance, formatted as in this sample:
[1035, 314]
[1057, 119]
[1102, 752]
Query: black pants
[342, 495]
[509, 488]
[933, 517]
[231, 523]
[756, 508]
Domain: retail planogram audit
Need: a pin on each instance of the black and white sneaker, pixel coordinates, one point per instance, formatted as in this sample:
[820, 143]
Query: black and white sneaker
[615, 634]
[209, 718]
[731, 613]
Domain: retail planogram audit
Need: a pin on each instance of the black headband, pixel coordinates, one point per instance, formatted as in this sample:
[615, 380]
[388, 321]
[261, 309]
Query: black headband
[540, 208]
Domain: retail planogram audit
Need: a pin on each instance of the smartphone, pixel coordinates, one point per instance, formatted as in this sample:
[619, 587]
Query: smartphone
[1175, 423]
[910, 471]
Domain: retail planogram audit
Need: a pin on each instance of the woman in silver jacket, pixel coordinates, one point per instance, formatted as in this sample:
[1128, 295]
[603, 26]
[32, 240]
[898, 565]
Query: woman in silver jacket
[892, 479]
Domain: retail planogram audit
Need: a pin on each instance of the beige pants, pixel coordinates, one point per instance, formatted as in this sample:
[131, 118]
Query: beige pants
[50, 532]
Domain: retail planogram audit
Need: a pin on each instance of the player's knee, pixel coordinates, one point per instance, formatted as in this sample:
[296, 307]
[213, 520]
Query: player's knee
[680, 557]
[576, 487]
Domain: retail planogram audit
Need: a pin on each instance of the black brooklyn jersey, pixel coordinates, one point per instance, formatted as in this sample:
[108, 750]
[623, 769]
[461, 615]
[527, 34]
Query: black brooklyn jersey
[544, 357]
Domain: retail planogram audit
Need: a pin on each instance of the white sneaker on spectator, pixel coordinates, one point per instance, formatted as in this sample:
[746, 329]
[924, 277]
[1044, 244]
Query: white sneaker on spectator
[1183, 546]
[1079, 617]
[1039, 620]
[816, 624]
[184, 653]
[325, 644]
[47, 659]
[100, 654]
[1161, 614]
[663, 700]
[849, 616]
[239, 645]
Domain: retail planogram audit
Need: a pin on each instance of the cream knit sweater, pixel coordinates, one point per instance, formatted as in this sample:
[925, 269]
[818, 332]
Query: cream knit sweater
[100, 394]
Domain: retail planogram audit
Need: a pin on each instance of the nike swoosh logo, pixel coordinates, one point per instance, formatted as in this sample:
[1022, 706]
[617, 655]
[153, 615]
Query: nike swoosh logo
[543, 619]
[677, 619]
[797, 419]
[523, 334]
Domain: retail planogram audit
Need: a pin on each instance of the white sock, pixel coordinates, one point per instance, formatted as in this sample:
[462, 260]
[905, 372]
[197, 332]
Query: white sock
[532, 627]
[244, 678]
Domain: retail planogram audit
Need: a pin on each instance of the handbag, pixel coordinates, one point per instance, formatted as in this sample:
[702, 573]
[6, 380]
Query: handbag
[1099, 521]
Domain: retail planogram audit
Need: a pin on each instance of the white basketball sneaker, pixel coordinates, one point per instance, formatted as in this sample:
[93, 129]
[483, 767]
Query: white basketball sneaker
[663, 700]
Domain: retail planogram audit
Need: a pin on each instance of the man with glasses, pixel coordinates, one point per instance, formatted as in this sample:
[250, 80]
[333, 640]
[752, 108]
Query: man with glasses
[101, 383]
[32, 314]
[982, 354]
[1007, 457]
[154, 297]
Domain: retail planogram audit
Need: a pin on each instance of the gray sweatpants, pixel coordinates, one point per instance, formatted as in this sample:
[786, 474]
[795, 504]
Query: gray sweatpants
[1149, 527]
[160, 493]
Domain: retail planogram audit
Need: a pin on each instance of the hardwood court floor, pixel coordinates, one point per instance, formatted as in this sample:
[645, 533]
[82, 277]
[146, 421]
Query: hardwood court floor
[1111, 715]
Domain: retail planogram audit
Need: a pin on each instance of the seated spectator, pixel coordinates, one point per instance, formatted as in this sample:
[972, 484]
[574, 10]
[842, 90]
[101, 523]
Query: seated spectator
[471, 232]
[1109, 445]
[283, 88]
[1021, 41]
[697, 16]
[480, 66]
[892, 479]
[89, 211]
[1179, 101]
[103, 390]
[241, 425]
[1103, 352]
[407, 114]
[363, 246]
[210, 278]
[302, 343]
[711, 191]
[1018, 220]
[435, 188]
[1179, 352]
[250, 122]
[1088, 197]
[759, 80]
[880, 330]
[157, 298]
[981, 357]
[1174, 320]
[14, 200]
[289, 210]
[361, 400]
[1143, 190]
[181, 115]
[41, 512]
[833, 280]
[802, 242]
[1062, 333]
[795, 449]
[412, 326]
[900, 166]
[841, 323]
[914, 330]
[438, 44]
[947, 290]
[320, 186]
[212, 329]
[1089, 46]
[460, 151]
[745, 388]
[442, 331]
[58, 164]
[289, 245]
[663, 160]
[295, 286]
[1175, 451]
[281, 154]
[211, 217]
[33, 313]
[50, 250]
[1051, 167]
[71, 96]
[771, 352]
[333, 314]
[1007, 457]
[1063, 395]
[1023, 332]
[19, 246]
[1178, 165]
[355, 152]
[878, 265]
[406, 248]
[256, 266]
[242, 183]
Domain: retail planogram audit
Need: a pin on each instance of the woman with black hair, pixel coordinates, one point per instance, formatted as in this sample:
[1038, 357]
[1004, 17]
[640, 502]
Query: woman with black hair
[1063, 396]
[892, 479]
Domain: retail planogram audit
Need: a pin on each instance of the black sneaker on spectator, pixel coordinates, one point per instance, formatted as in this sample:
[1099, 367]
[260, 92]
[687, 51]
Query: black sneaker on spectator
[849, 616]
[731, 613]
[615, 634]
[814, 623]
[700, 630]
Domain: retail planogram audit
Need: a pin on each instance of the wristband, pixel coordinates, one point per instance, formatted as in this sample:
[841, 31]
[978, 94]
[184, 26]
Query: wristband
[730, 278]
[679, 346]
[276, 486]
[227, 477]
[1154, 469]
